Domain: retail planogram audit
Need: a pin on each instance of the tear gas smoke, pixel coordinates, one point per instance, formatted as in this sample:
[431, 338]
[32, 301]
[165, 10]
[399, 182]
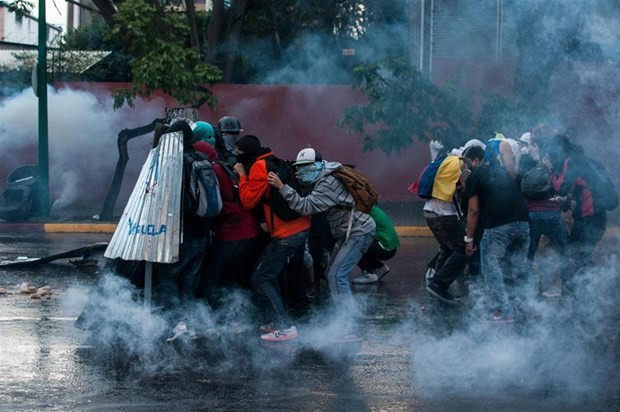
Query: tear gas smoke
[566, 349]
[82, 136]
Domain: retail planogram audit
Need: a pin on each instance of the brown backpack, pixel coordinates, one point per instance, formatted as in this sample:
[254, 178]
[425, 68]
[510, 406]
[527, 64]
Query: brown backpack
[362, 189]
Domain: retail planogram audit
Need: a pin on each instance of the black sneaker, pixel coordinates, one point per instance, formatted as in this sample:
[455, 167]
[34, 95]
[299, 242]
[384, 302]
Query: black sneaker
[442, 294]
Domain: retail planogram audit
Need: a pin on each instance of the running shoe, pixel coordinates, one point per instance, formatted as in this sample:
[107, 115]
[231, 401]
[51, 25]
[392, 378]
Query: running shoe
[281, 335]
[365, 278]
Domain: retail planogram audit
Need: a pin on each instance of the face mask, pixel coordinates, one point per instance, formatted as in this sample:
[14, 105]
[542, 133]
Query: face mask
[244, 158]
[309, 173]
[229, 141]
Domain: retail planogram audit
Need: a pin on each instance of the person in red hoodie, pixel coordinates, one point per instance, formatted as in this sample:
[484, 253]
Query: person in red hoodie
[287, 238]
[236, 236]
[570, 177]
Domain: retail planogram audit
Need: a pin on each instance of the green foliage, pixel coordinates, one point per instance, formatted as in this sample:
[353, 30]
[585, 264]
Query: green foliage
[508, 116]
[94, 36]
[157, 37]
[98, 36]
[403, 104]
[21, 7]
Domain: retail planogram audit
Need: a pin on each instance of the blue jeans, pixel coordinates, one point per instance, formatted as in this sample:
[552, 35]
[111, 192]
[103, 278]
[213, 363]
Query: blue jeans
[272, 262]
[510, 240]
[342, 261]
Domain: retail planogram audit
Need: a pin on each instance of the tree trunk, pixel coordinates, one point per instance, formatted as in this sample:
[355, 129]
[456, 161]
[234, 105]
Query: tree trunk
[190, 14]
[107, 9]
[213, 34]
[233, 33]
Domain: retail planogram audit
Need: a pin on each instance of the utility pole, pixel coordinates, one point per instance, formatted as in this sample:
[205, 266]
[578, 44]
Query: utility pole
[43, 206]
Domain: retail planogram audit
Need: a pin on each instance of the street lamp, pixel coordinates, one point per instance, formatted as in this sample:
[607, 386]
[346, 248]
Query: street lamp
[43, 206]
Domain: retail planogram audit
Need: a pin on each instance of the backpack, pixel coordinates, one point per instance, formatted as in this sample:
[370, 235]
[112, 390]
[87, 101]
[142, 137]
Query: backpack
[358, 185]
[279, 206]
[202, 184]
[423, 186]
[492, 150]
[600, 184]
[536, 184]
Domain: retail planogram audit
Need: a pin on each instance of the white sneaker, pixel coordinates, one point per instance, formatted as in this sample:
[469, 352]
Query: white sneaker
[552, 293]
[181, 329]
[366, 278]
[281, 335]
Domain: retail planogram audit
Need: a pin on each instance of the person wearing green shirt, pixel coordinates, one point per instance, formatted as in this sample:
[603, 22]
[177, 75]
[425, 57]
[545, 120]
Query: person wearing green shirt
[383, 248]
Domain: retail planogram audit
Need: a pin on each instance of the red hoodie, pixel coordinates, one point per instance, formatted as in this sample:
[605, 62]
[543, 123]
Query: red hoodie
[234, 222]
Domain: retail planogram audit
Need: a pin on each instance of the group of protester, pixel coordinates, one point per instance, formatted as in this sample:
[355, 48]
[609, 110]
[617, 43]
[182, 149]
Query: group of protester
[511, 193]
[488, 207]
[251, 245]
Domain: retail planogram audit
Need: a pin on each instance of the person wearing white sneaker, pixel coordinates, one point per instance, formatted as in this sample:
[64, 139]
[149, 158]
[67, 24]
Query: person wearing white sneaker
[382, 248]
[353, 230]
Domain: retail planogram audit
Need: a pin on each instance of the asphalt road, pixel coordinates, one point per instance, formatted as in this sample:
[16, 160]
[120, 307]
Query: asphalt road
[416, 355]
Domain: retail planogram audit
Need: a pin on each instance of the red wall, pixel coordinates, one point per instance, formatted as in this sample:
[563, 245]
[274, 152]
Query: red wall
[289, 118]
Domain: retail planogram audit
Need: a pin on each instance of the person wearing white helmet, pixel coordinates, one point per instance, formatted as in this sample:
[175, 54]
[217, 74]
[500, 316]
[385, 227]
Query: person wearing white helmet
[353, 230]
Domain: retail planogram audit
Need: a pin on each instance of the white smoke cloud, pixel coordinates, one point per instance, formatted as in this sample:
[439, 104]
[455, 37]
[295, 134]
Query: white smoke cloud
[82, 137]
[565, 348]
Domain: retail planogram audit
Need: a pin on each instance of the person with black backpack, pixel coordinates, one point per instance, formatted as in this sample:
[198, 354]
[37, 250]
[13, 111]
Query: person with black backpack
[176, 283]
[544, 207]
[288, 234]
[591, 192]
[236, 237]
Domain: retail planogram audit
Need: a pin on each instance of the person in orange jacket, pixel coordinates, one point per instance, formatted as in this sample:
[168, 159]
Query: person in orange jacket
[288, 237]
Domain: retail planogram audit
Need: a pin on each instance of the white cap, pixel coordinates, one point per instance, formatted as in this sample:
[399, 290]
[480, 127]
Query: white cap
[307, 155]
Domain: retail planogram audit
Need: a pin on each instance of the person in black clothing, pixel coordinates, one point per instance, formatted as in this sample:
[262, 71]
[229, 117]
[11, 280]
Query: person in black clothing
[176, 283]
[495, 202]
[570, 177]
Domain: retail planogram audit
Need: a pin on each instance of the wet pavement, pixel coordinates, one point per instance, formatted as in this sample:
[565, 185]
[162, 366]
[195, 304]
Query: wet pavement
[415, 355]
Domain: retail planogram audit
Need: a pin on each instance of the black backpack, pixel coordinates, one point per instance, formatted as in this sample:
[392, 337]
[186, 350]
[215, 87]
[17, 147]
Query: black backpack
[536, 184]
[202, 184]
[284, 169]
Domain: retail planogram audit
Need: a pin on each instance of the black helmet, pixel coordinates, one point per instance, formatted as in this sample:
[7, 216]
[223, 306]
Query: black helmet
[229, 124]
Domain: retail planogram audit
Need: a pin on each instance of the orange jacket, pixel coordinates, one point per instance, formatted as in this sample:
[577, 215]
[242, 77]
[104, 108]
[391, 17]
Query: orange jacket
[254, 187]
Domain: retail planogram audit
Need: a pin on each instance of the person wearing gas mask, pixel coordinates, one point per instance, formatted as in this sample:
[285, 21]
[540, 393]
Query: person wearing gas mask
[354, 231]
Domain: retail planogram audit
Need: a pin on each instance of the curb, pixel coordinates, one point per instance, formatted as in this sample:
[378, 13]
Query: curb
[5, 228]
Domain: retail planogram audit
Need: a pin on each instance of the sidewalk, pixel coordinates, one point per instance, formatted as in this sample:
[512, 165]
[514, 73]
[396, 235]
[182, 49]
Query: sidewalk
[110, 227]
[407, 217]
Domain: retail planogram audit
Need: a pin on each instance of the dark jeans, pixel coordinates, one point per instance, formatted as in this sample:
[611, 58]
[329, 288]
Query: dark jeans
[550, 224]
[450, 234]
[226, 266]
[272, 262]
[177, 282]
[374, 257]
[584, 237]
